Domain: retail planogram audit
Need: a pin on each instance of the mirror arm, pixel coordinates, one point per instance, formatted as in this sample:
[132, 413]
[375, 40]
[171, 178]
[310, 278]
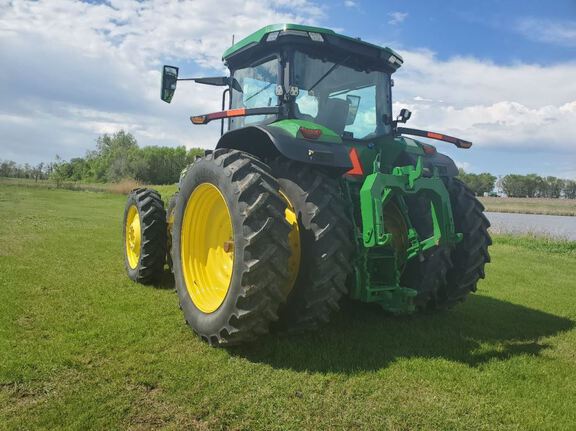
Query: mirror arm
[219, 81]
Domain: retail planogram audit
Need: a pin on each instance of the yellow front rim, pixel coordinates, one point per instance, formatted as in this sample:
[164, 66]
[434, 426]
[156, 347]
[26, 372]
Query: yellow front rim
[207, 247]
[293, 241]
[133, 236]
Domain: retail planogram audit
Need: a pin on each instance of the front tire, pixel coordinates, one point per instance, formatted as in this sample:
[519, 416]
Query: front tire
[230, 247]
[144, 235]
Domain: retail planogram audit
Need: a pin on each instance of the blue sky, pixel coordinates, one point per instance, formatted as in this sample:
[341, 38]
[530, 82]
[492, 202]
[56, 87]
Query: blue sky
[499, 73]
[489, 29]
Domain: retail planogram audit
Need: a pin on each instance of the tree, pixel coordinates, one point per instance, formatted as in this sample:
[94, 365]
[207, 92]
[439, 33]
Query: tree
[552, 187]
[38, 170]
[193, 153]
[570, 189]
[60, 171]
[7, 168]
[522, 185]
[478, 183]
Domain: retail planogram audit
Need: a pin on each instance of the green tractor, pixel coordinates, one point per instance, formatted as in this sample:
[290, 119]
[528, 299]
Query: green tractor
[313, 192]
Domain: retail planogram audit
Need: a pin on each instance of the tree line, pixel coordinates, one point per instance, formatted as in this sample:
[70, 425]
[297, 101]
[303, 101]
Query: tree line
[10, 169]
[118, 156]
[521, 186]
[115, 158]
[535, 186]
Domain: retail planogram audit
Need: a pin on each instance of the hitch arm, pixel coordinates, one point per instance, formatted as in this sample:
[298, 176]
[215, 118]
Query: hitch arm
[460, 143]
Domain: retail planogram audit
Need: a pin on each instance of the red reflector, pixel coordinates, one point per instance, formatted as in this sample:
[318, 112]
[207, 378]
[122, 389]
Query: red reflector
[310, 133]
[356, 165]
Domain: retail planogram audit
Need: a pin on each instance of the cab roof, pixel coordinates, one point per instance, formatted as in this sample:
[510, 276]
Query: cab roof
[271, 33]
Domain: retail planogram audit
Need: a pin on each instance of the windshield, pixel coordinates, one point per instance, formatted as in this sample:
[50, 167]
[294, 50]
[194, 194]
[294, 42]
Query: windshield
[350, 102]
[258, 91]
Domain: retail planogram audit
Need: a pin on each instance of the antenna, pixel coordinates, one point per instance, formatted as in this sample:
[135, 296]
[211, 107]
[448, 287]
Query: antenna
[232, 39]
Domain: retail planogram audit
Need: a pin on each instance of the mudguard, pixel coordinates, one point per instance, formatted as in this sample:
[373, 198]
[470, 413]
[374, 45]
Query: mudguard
[267, 141]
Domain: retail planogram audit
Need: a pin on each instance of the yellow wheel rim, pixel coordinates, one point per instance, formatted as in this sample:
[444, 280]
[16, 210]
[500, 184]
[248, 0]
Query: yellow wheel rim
[293, 241]
[207, 247]
[133, 236]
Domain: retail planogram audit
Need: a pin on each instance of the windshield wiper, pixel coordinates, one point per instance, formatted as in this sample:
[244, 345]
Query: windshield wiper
[328, 72]
[258, 92]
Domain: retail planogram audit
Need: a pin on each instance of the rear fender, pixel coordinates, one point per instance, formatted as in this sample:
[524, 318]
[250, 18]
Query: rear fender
[267, 141]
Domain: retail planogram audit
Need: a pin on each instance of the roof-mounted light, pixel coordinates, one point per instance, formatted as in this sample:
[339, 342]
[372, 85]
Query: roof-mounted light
[316, 37]
[294, 33]
[272, 36]
[394, 60]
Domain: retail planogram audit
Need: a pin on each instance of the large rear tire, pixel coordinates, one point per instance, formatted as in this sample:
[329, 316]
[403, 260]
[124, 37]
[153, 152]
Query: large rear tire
[471, 254]
[325, 248]
[144, 235]
[230, 247]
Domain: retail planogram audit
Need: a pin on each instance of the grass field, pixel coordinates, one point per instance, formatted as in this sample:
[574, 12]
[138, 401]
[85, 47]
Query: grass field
[565, 207]
[82, 347]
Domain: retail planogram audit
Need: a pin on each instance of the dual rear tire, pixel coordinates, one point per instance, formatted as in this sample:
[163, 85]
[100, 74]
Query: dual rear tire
[254, 243]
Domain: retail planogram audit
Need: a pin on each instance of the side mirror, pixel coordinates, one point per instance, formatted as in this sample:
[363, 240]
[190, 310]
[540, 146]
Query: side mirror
[404, 116]
[353, 103]
[169, 79]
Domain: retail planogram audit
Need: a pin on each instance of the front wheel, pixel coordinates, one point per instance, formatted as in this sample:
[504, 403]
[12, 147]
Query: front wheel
[144, 231]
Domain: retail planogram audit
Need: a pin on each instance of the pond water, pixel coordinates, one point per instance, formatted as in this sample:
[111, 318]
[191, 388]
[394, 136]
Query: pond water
[556, 226]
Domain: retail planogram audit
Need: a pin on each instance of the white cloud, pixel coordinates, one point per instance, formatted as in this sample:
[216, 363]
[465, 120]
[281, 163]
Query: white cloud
[350, 3]
[520, 105]
[397, 17]
[72, 70]
[542, 30]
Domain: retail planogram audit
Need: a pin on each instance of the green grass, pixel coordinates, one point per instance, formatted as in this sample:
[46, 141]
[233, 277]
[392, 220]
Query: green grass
[50, 184]
[82, 347]
[566, 207]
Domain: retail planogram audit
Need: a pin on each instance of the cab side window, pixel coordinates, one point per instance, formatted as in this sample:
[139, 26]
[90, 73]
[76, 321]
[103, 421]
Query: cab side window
[258, 91]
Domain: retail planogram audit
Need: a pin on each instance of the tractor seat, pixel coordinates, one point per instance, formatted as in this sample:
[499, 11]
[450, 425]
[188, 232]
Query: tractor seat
[334, 114]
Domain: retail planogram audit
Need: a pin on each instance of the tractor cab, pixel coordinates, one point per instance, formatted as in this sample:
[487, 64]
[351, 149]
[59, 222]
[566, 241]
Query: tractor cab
[314, 75]
[310, 75]
[290, 71]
